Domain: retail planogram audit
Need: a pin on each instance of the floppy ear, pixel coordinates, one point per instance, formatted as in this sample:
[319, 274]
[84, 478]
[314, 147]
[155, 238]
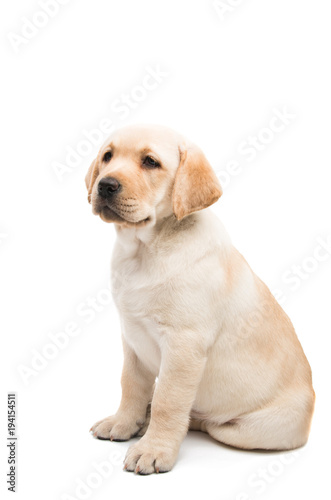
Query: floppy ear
[91, 175]
[196, 185]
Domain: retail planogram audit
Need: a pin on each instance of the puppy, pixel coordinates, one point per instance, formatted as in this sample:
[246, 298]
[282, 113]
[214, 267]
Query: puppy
[193, 313]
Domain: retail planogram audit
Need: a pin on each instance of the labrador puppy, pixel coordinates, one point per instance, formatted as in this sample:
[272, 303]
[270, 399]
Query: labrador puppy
[194, 315]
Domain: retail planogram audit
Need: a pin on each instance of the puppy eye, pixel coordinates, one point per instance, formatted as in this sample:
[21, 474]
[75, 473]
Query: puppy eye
[107, 156]
[150, 162]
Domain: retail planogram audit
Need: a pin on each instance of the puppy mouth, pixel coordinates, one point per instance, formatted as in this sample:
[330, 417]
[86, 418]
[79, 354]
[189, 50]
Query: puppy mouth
[108, 215]
[121, 212]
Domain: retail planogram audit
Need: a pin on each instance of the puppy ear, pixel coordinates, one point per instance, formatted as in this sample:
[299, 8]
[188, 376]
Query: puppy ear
[196, 185]
[91, 175]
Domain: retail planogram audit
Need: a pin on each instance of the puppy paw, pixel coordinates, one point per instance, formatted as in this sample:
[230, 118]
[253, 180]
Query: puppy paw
[146, 457]
[116, 428]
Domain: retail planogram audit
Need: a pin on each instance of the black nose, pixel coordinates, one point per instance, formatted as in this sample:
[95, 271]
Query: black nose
[108, 186]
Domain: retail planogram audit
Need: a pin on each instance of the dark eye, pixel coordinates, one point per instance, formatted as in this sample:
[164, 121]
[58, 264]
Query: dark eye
[107, 156]
[150, 162]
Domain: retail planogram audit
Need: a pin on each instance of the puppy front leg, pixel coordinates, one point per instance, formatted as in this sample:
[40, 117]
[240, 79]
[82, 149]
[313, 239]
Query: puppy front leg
[137, 389]
[182, 365]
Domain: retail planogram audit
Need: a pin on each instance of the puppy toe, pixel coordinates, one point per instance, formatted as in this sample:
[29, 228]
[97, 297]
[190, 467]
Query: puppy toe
[94, 426]
[122, 433]
[131, 459]
[144, 459]
[102, 431]
[145, 464]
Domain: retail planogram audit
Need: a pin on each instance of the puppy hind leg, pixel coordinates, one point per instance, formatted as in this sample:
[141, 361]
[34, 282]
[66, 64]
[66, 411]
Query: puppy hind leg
[272, 428]
[197, 425]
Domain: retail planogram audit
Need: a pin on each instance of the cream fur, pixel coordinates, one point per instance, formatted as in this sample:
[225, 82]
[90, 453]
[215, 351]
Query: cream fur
[193, 314]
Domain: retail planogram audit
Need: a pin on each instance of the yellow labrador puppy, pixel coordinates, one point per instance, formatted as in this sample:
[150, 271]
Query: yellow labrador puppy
[193, 313]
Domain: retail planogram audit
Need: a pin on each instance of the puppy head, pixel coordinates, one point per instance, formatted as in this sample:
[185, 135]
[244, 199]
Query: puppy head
[145, 173]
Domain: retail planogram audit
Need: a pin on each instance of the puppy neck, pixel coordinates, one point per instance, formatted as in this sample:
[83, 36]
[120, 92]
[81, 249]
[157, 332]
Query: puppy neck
[137, 234]
[148, 234]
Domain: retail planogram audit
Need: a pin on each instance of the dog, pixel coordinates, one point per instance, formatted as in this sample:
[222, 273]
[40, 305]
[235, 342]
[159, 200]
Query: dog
[206, 345]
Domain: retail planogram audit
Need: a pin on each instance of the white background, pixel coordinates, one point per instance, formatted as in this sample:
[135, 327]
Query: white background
[225, 76]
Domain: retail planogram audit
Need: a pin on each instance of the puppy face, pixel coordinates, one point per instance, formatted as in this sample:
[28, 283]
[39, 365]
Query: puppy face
[142, 174]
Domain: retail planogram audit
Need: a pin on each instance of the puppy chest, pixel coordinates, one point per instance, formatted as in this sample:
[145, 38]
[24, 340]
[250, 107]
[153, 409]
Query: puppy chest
[141, 324]
[141, 295]
[144, 337]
